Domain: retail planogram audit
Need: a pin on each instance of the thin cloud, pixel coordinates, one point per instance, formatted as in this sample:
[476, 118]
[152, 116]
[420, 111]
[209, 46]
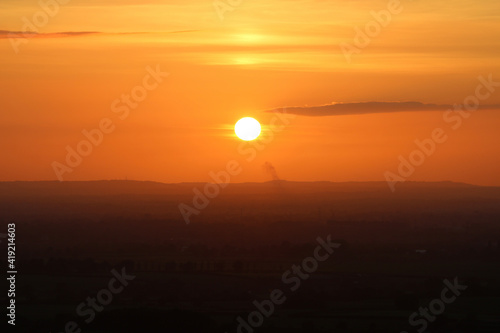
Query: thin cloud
[31, 34]
[341, 109]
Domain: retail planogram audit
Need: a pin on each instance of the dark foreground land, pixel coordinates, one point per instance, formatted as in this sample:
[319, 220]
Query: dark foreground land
[117, 256]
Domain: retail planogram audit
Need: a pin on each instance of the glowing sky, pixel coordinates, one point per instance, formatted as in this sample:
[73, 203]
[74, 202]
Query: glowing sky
[265, 54]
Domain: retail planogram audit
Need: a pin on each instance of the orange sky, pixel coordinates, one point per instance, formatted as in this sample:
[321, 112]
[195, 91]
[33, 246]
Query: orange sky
[265, 54]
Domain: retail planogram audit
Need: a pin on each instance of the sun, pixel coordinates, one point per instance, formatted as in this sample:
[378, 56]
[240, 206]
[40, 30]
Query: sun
[247, 129]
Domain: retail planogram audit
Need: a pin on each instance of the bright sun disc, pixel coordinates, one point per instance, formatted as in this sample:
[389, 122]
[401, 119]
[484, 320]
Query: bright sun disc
[247, 129]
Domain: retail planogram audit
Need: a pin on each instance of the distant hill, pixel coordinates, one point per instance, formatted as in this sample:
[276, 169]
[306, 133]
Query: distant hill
[269, 201]
[124, 187]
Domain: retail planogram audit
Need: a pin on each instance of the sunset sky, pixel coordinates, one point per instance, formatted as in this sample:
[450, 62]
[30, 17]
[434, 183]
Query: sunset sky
[264, 55]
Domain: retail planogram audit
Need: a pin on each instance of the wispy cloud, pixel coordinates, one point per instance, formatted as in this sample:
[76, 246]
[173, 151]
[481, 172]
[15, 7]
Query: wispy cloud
[340, 109]
[31, 34]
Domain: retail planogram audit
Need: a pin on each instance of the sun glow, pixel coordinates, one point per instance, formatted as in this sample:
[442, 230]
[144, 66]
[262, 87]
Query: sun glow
[247, 129]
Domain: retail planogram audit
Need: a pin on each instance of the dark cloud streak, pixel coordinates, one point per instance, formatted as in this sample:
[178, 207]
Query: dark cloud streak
[341, 109]
[31, 34]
